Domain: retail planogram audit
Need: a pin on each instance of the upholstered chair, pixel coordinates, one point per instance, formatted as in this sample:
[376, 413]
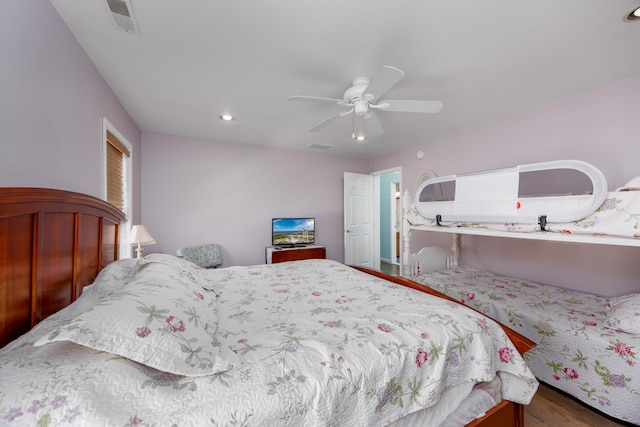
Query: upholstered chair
[205, 256]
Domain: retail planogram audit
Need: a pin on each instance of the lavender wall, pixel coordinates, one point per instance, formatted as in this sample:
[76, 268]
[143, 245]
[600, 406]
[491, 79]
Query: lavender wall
[601, 127]
[198, 191]
[52, 100]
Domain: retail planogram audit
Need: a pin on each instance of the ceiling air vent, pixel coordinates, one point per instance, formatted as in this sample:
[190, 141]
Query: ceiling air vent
[319, 146]
[122, 15]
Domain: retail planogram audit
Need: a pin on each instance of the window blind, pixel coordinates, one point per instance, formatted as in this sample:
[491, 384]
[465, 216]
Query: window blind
[116, 153]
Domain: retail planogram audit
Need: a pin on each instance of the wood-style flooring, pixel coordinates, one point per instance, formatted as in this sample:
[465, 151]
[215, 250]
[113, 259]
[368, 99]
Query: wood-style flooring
[388, 268]
[551, 408]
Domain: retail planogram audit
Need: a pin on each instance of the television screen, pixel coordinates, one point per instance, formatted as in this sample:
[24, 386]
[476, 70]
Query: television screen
[292, 231]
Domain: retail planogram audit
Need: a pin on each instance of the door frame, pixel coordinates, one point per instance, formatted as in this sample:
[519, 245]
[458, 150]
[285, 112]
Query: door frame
[395, 210]
[375, 215]
[376, 212]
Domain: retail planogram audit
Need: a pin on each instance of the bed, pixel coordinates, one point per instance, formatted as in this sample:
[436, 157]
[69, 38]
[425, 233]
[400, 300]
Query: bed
[587, 345]
[159, 340]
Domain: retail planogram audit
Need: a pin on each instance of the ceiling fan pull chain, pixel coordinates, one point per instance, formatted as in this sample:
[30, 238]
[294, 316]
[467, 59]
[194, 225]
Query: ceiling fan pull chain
[353, 125]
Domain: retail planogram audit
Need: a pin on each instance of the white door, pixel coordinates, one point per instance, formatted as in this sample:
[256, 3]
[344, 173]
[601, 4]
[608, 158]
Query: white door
[358, 219]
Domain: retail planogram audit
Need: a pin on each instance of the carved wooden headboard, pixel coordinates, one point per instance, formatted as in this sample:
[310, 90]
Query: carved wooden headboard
[52, 244]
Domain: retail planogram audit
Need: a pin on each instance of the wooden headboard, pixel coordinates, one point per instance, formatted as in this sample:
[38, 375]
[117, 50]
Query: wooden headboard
[52, 244]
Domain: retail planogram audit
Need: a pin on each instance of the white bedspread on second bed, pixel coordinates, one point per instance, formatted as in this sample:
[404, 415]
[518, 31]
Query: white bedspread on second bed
[576, 351]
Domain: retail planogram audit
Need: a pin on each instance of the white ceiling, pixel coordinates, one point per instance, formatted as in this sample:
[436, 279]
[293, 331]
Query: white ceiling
[196, 59]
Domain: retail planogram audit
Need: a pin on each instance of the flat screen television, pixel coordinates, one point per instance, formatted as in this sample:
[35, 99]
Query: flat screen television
[293, 231]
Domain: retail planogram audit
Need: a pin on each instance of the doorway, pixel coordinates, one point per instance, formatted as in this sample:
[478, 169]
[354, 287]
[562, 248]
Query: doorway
[389, 213]
[359, 222]
[373, 218]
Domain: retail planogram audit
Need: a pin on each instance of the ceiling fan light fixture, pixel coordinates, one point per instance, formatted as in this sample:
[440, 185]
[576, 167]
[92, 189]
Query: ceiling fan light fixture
[634, 15]
[360, 108]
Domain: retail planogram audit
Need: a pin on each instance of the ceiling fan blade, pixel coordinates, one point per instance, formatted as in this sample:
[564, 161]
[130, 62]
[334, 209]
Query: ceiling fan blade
[410, 106]
[373, 125]
[313, 98]
[383, 81]
[327, 121]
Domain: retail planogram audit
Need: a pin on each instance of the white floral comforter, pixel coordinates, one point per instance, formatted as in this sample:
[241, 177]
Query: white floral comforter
[619, 216]
[581, 349]
[301, 343]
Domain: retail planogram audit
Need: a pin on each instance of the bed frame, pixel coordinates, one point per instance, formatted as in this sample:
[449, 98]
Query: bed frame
[431, 259]
[408, 267]
[52, 244]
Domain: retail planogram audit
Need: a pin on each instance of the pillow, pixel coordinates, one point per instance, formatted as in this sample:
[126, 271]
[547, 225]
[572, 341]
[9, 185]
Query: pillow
[113, 277]
[180, 265]
[162, 319]
[632, 185]
[624, 313]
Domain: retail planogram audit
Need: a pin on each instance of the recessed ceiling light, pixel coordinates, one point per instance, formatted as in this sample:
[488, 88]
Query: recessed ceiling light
[634, 15]
[226, 117]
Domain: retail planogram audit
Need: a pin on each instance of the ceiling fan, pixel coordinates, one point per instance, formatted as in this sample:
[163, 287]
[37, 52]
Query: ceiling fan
[363, 98]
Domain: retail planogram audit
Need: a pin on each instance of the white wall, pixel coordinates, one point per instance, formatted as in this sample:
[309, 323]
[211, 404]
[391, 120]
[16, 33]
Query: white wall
[198, 191]
[601, 127]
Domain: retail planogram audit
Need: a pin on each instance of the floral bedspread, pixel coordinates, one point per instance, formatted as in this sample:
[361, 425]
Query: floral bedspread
[576, 349]
[300, 343]
[619, 216]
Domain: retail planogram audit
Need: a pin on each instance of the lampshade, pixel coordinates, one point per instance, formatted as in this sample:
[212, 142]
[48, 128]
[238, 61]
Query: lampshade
[140, 235]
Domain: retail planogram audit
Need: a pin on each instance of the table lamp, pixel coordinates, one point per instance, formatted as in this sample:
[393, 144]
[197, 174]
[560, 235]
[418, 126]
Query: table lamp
[140, 235]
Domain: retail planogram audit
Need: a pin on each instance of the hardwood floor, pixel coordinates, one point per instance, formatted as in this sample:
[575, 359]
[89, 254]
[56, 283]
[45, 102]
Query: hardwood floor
[392, 269]
[552, 408]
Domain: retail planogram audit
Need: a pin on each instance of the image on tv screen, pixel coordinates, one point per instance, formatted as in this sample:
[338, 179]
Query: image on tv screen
[293, 231]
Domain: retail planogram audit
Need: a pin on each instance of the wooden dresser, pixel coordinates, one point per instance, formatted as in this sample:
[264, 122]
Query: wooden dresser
[276, 254]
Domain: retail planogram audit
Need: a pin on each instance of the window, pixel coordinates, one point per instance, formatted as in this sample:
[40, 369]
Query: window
[117, 154]
[117, 178]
